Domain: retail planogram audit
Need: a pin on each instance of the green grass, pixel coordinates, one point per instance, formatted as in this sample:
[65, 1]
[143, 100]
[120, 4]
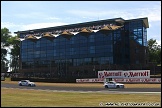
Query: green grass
[35, 98]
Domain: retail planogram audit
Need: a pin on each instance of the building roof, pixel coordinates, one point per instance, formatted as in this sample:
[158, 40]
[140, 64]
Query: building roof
[81, 25]
[145, 21]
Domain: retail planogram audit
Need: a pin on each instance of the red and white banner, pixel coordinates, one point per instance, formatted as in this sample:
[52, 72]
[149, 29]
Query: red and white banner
[124, 74]
[133, 80]
[149, 80]
[91, 80]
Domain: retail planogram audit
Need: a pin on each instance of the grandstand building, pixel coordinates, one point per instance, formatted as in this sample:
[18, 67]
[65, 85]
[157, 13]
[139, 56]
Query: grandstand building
[81, 50]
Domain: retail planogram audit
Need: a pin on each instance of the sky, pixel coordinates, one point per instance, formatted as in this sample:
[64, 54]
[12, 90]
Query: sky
[28, 15]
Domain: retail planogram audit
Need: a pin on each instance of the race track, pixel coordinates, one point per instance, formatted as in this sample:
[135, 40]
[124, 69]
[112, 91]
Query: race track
[85, 89]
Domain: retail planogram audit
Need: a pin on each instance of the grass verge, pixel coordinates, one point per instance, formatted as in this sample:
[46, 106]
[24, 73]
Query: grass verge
[91, 85]
[35, 98]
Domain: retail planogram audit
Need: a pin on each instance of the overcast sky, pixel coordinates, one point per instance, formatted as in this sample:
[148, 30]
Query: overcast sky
[27, 15]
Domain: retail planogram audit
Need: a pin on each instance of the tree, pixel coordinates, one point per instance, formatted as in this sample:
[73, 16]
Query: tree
[5, 35]
[154, 51]
[15, 52]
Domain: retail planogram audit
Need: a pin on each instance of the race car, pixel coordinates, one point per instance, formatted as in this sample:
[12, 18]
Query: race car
[113, 84]
[26, 83]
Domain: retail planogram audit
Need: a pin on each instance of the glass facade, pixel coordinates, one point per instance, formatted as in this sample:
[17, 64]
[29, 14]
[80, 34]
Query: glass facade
[96, 48]
[138, 31]
[80, 49]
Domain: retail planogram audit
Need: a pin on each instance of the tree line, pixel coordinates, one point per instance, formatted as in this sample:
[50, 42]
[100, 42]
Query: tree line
[9, 45]
[11, 42]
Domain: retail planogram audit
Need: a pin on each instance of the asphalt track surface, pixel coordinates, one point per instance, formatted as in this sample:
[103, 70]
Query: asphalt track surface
[85, 89]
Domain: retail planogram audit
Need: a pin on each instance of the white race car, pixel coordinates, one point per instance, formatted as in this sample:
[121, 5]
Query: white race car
[113, 84]
[26, 83]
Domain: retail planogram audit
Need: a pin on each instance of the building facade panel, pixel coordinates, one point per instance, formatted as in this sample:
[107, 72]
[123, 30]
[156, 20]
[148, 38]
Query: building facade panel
[84, 53]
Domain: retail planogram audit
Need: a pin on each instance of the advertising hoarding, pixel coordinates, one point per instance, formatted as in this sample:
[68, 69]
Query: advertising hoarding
[124, 74]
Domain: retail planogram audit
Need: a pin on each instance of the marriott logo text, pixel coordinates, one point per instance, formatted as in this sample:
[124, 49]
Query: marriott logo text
[134, 74]
[124, 74]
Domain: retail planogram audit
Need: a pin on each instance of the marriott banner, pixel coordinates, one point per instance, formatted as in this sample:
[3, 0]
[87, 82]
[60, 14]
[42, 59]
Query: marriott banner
[124, 74]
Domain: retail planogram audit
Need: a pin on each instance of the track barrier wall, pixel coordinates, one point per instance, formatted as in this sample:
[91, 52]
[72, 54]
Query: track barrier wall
[121, 80]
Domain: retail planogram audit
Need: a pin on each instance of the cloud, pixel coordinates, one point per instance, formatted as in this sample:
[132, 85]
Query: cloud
[159, 42]
[22, 27]
[33, 15]
[85, 13]
[153, 13]
[36, 15]
[42, 25]
[8, 25]
[52, 18]
[11, 26]
[157, 37]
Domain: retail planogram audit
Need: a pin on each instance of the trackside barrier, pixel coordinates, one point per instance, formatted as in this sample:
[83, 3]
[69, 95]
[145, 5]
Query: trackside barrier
[124, 80]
